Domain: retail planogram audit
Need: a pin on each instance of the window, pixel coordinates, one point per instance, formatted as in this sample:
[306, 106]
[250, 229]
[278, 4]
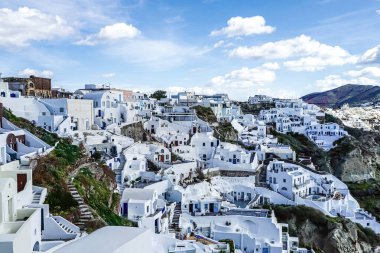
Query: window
[284, 180]
[61, 109]
[212, 144]
[204, 144]
[147, 209]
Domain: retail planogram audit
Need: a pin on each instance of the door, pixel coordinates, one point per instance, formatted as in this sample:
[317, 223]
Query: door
[211, 207]
[21, 182]
[191, 208]
[125, 209]
[162, 158]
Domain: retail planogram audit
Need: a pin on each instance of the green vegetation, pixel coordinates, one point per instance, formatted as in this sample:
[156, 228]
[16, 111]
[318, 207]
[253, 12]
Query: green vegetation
[230, 243]
[158, 94]
[297, 216]
[368, 195]
[225, 132]
[255, 109]
[205, 114]
[52, 172]
[41, 133]
[97, 191]
[304, 147]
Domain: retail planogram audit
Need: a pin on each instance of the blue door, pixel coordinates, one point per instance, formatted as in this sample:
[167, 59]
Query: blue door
[125, 209]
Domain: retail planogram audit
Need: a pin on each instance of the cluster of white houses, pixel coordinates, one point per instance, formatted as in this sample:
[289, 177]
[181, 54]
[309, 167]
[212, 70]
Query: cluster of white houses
[185, 189]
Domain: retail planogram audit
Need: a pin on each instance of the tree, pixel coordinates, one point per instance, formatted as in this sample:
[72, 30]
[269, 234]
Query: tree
[158, 94]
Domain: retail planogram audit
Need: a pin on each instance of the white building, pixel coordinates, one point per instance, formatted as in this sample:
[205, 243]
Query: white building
[204, 145]
[108, 107]
[129, 239]
[60, 115]
[251, 230]
[324, 135]
[259, 99]
[321, 191]
[144, 206]
[234, 157]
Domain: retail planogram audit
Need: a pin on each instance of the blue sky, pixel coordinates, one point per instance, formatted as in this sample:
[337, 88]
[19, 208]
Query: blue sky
[284, 48]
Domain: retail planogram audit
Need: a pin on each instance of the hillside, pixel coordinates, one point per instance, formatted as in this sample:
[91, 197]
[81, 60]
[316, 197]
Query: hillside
[222, 130]
[355, 158]
[95, 181]
[326, 234]
[352, 94]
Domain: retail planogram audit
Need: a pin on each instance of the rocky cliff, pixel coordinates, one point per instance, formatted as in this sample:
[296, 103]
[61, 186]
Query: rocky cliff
[136, 131]
[355, 157]
[224, 131]
[326, 234]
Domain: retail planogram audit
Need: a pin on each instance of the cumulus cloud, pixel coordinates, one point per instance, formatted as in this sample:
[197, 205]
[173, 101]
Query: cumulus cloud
[371, 55]
[365, 72]
[239, 26]
[18, 28]
[271, 65]
[32, 72]
[312, 55]
[378, 12]
[334, 81]
[219, 44]
[111, 33]
[243, 78]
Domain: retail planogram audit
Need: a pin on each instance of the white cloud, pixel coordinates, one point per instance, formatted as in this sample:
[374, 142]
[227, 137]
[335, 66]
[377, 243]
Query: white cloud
[243, 78]
[219, 44]
[334, 81]
[312, 55]
[32, 72]
[239, 26]
[108, 75]
[378, 12]
[20, 27]
[111, 33]
[371, 55]
[271, 65]
[367, 71]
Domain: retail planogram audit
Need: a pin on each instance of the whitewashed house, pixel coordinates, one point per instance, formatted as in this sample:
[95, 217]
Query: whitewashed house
[321, 191]
[204, 145]
[251, 230]
[144, 207]
[108, 107]
[259, 99]
[233, 157]
[324, 135]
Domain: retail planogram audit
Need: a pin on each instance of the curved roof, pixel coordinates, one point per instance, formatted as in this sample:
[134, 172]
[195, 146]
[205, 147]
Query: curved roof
[97, 95]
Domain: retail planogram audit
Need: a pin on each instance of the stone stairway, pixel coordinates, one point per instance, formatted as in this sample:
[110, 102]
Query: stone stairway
[67, 229]
[119, 180]
[36, 197]
[85, 212]
[174, 226]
